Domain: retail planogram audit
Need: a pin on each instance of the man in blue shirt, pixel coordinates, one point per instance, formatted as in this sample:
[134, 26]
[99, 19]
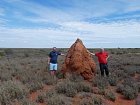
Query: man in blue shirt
[52, 60]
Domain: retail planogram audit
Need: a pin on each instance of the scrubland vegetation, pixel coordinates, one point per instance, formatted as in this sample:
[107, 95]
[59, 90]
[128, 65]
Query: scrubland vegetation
[24, 74]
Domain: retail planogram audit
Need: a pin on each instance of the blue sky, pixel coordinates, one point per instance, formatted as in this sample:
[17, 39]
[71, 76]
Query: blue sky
[48, 23]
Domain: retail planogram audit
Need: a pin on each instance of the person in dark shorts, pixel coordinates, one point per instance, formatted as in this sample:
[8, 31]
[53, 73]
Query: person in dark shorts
[52, 60]
[102, 58]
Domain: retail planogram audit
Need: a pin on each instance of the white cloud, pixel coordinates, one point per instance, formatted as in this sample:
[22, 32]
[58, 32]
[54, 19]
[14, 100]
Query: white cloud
[107, 35]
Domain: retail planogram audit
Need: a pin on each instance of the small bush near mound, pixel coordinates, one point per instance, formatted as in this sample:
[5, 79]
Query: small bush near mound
[71, 88]
[97, 101]
[100, 82]
[110, 95]
[68, 88]
[11, 90]
[75, 77]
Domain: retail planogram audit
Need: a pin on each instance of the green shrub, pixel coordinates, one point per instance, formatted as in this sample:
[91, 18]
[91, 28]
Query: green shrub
[113, 80]
[131, 72]
[97, 101]
[120, 88]
[138, 86]
[34, 86]
[83, 87]
[75, 77]
[110, 95]
[40, 99]
[58, 100]
[130, 92]
[86, 101]
[67, 87]
[100, 82]
[11, 90]
[8, 51]
[49, 80]
[26, 101]
[2, 54]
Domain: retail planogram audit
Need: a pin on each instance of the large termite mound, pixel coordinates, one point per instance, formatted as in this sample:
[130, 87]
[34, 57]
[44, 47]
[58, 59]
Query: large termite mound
[79, 61]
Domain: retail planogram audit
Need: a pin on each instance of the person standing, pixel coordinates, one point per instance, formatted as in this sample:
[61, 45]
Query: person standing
[52, 60]
[103, 60]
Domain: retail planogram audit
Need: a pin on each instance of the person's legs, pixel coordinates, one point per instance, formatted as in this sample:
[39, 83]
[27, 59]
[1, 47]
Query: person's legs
[106, 70]
[102, 69]
[55, 68]
[51, 69]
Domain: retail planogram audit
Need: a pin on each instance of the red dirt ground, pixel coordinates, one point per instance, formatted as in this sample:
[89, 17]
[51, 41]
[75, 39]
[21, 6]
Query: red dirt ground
[120, 100]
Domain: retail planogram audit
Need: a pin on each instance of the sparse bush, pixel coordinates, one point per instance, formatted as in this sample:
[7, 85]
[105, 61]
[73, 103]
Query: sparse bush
[131, 72]
[83, 86]
[8, 51]
[110, 95]
[130, 92]
[75, 77]
[120, 88]
[86, 101]
[34, 86]
[2, 54]
[97, 101]
[11, 90]
[100, 82]
[67, 87]
[26, 101]
[138, 86]
[71, 92]
[58, 100]
[40, 99]
[59, 75]
[49, 80]
[112, 80]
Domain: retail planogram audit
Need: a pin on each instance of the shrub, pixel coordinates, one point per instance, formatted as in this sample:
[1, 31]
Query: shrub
[67, 87]
[58, 100]
[86, 101]
[8, 51]
[138, 86]
[34, 86]
[71, 88]
[11, 90]
[49, 80]
[2, 53]
[120, 88]
[110, 95]
[40, 99]
[130, 92]
[100, 82]
[75, 77]
[26, 101]
[112, 80]
[131, 72]
[83, 86]
[97, 101]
